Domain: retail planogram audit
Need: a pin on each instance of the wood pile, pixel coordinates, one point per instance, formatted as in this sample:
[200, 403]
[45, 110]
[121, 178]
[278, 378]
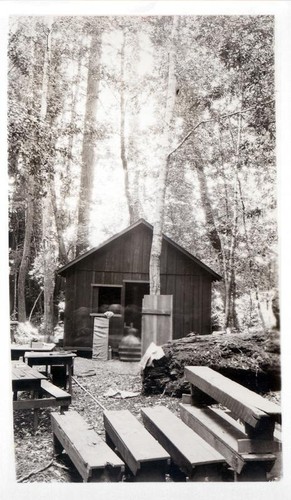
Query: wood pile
[252, 359]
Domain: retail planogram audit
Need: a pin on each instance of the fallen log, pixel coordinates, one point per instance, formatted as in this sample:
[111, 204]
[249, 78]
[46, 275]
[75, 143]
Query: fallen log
[251, 359]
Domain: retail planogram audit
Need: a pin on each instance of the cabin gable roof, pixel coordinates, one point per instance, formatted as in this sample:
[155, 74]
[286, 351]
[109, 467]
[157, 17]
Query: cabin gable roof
[62, 270]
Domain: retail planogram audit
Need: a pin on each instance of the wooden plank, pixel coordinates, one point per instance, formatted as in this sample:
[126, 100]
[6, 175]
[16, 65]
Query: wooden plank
[30, 404]
[157, 328]
[211, 427]
[21, 371]
[25, 378]
[54, 391]
[187, 449]
[86, 449]
[155, 311]
[244, 444]
[53, 358]
[132, 440]
[247, 405]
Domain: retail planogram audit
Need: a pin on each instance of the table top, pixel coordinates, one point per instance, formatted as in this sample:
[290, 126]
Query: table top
[21, 371]
[56, 355]
[29, 348]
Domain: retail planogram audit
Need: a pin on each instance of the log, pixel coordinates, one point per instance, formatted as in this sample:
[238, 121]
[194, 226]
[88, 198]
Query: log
[251, 359]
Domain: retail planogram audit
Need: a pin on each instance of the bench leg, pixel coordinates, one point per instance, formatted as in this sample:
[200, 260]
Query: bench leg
[176, 474]
[109, 441]
[252, 471]
[106, 475]
[58, 447]
[206, 473]
[152, 472]
[35, 418]
[263, 431]
[64, 408]
[36, 395]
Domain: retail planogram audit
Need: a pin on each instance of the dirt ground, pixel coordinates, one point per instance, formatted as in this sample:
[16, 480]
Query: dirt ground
[34, 450]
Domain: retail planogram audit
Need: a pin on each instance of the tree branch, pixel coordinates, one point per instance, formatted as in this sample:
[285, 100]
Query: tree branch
[222, 117]
[37, 471]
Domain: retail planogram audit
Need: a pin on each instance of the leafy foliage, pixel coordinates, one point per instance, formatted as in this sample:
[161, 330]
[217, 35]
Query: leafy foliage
[220, 196]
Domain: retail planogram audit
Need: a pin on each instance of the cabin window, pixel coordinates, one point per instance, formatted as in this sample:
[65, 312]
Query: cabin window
[106, 298]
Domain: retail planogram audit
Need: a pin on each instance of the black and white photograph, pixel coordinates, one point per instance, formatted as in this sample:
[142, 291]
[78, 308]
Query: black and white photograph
[144, 338]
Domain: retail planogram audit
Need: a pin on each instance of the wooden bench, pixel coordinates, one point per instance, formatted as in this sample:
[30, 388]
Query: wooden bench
[248, 447]
[92, 457]
[61, 397]
[195, 458]
[56, 397]
[145, 458]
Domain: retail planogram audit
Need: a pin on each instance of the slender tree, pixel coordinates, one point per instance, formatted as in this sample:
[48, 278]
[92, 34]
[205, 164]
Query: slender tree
[89, 142]
[165, 145]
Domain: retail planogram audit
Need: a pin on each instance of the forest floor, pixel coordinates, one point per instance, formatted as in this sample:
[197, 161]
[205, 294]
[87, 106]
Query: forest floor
[34, 450]
[34, 457]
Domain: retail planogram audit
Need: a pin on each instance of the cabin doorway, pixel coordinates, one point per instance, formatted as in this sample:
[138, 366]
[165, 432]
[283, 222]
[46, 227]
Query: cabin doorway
[134, 292]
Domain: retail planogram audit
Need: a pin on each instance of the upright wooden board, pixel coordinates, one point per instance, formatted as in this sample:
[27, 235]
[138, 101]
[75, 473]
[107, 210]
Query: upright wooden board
[100, 338]
[157, 320]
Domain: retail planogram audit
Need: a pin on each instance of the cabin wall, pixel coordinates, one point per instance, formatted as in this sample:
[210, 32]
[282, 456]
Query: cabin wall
[127, 258]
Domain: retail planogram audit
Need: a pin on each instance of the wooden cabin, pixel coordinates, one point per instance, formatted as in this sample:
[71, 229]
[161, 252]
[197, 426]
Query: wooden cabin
[115, 276]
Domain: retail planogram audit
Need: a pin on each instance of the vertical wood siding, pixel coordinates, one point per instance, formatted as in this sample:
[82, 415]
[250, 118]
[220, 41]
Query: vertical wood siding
[127, 258]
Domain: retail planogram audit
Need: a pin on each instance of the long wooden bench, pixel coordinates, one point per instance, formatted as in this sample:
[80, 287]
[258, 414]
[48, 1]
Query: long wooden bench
[50, 397]
[145, 458]
[246, 441]
[92, 457]
[57, 397]
[252, 408]
[195, 457]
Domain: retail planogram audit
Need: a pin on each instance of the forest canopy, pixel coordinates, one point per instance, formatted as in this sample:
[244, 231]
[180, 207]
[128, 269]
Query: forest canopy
[169, 118]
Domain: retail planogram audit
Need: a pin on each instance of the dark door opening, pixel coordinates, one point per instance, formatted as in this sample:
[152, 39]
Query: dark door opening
[133, 295]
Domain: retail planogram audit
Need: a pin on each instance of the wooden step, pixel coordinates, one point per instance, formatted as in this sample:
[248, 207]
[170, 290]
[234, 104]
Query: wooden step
[91, 456]
[224, 434]
[187, 449]
[144, 456]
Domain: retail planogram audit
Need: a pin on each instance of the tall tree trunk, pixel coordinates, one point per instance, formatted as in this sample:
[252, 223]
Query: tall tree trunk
[226, 262]
[212, 231]
[23, 269]
[49, 258]
[133, 216]
[29, 209]
[49, 266]
[88, 149]
[156, 248]
[230, 307]
[73, 119]
[63, 257]
[251, 258]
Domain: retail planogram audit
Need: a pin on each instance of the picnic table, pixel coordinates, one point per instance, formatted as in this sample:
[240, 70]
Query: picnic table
[56, 358]
[18, 350]
[25, 378]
